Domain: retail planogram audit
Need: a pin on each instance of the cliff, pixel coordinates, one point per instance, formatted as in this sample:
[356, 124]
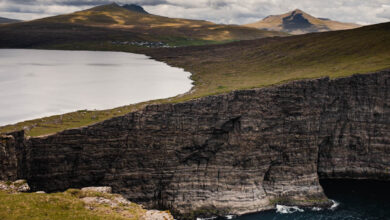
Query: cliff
[235, 153]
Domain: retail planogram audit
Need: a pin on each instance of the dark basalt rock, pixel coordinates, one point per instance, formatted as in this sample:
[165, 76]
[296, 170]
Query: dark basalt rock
[233, 153]
[135, 8]
[296, 21]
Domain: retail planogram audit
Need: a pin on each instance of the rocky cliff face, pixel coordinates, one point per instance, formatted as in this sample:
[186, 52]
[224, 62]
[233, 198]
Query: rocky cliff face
[237, 153]
[12, 156]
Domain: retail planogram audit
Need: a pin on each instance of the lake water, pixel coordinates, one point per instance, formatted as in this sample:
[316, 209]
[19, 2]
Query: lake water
[37, 83]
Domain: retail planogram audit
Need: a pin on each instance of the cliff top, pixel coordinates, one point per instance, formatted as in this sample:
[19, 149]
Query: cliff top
[87, 203]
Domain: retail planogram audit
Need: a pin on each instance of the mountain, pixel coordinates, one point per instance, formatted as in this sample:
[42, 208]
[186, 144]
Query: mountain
[134, 7]
[7, 20]
[300, 22]
[112, 23]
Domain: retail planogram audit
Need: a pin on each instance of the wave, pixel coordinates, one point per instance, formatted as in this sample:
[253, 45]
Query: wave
[283, 209]
[230, 216]
[316, 209]
[210, 218]
[334, 205]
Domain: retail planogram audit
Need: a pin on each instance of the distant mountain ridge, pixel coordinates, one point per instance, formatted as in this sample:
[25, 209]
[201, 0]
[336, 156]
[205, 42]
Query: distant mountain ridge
[300, 22]
[8, 20]
[128, 25]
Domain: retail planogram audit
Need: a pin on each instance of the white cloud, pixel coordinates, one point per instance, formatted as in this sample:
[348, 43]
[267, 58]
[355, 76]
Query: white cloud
[219, 11]
[384, 12]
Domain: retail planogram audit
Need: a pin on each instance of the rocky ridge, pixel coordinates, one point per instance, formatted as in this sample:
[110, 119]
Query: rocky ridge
[234, 153]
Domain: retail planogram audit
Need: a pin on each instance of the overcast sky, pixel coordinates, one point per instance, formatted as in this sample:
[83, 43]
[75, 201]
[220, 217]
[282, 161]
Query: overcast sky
[219, 11]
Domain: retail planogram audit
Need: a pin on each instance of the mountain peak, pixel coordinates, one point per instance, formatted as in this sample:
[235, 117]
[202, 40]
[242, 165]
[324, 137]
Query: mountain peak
[299, 22]
[116, 7]
[135, 8]
[297, 11]
[106, 7]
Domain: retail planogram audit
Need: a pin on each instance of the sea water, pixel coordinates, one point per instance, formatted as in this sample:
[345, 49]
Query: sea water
[352, 200]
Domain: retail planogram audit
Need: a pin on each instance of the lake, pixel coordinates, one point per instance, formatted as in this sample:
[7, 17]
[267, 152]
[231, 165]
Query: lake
[38, 83]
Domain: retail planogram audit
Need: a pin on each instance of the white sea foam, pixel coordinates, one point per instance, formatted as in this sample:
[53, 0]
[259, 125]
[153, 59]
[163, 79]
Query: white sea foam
[316, 209]
[230, 216]
[283, 209]
[334, 205]
[210, 218]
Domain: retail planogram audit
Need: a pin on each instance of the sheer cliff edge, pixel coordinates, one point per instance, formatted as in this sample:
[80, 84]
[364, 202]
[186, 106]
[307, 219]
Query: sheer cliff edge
[234, 153]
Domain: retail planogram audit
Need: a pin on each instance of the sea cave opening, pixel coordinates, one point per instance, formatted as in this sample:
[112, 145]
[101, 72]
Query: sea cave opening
[353, 199]
[359, 199]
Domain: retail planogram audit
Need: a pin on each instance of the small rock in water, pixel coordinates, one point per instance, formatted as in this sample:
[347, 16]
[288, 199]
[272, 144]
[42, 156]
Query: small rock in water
[40, 192]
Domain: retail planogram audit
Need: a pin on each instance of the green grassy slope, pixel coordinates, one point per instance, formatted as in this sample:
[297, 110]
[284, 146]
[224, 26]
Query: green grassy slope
[259, 63]
[108, 23]
[64, 205]
[249, 64]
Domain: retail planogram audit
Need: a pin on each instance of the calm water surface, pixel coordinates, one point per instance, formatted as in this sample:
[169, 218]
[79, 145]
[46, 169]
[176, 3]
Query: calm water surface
[37, 83]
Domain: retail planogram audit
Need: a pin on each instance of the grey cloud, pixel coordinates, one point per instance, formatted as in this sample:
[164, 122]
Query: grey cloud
[219, 11]
[85, 2]
[385, 13]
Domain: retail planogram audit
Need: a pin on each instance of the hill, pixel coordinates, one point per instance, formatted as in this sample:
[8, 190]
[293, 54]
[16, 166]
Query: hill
[7, 20]
[113, 24]
[300, 22]
[251, 64]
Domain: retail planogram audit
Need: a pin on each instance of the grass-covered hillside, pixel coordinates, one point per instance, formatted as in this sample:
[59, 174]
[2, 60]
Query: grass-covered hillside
[251, 64]
[69, 205]
[259, 63]
[112, 24]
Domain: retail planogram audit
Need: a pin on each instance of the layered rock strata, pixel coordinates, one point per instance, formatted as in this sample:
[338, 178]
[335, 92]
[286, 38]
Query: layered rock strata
[236, 153]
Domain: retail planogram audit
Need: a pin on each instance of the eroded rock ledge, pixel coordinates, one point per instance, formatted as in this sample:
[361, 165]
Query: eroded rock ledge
[236, 153]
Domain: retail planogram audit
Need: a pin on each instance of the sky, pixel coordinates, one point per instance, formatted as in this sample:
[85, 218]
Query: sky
[220, 11]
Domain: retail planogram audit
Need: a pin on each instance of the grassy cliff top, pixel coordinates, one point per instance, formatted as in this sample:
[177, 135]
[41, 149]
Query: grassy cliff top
[247, 64]
[71, 204]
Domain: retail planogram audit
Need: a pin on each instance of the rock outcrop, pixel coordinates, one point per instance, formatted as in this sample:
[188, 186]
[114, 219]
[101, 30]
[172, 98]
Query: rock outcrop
[234, 153]
[17, 186]
[97, 199]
